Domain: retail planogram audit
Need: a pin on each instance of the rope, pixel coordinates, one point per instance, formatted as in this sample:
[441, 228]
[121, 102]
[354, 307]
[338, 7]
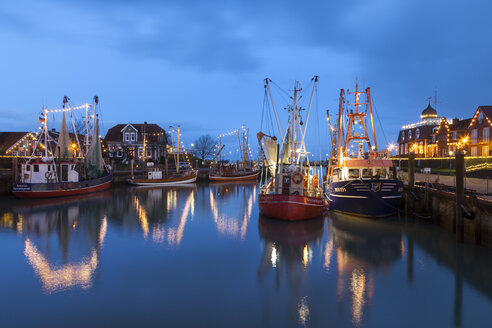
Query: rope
[377, 115]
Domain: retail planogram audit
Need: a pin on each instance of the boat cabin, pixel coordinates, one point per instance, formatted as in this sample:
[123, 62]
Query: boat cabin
[362, 170]
[47, 172]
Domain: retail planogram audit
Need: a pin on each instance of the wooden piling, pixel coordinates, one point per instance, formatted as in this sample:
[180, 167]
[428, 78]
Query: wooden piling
[411, 171]
[460, 195]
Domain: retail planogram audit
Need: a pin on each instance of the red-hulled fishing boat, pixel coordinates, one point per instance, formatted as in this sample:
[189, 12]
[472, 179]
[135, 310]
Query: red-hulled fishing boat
[294, 191]
[60, 172]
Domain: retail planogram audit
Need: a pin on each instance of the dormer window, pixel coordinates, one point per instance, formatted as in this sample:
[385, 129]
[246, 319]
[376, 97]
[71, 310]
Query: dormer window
[480, 117]
[127, 136]
[133, 136]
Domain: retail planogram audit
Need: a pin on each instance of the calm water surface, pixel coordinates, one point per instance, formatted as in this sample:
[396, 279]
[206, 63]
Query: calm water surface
[202, 256]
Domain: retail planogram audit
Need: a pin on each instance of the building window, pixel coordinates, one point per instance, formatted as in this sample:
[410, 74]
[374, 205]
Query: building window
[127, 136]
[474, 136]
[133, 136]
[417, 133]
[14, 153]
[36, 168]
[480, 117]
[402, 135]
[486, 134]
[474, 151]
[434, 138]
[409, 134]
[485, 151]
[455, 135]
[28, 168]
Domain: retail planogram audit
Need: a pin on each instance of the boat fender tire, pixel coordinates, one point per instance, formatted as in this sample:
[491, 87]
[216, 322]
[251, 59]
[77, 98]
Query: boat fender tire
[297, 178]
[47, 174]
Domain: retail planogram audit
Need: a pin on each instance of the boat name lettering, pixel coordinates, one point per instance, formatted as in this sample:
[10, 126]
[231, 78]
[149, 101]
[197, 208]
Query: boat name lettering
[341, 189]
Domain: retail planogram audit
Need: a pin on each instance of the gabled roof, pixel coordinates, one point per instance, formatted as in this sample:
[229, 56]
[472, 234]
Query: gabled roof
[115, 133]
[460, 124]
[8, 139]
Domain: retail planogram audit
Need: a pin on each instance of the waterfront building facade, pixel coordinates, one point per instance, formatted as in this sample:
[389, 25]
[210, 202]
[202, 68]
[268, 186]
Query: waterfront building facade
[419, 137]
[479, 132]
[145, 141]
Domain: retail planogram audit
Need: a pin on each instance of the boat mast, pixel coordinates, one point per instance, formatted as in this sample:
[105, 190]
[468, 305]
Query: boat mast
[309, 109]
[333, 141]
[45, 132]
[96, 102]
[372, 120]
[67, 106]
[340, 117]
[274, 110]
[86, 137]
[293, 120]
[177, 167]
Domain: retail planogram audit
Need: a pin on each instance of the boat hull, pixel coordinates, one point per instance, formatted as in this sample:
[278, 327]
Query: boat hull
[163, 182]
[369, 198]
[246, 177]
[290, 207]
[61, 189]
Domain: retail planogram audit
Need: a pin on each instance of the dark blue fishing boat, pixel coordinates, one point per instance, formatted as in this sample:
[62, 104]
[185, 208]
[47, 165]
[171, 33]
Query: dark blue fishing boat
[359, 179]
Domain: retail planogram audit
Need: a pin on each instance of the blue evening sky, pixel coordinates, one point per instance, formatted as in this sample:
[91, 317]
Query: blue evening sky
[202, 63]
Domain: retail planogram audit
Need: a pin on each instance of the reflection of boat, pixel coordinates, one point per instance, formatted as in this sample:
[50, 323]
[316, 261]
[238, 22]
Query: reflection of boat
[362, 248]
[295, 192]
[80, 231]
[290, 234]
[59, 172]
[360, 182]
[161, 225]
[225, 171]
[287, 254]
[232, 205]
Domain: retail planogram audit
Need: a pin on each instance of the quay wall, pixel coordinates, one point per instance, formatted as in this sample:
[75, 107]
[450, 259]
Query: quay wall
[440, 208]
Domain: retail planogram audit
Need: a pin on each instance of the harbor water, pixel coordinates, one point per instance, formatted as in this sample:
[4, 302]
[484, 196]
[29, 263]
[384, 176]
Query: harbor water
[202, 256]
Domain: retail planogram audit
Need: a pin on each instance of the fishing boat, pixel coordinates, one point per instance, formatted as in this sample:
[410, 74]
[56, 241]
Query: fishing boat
[359, 177]
[293, 191]
[225, 171]
[61, 172]
[157, 175]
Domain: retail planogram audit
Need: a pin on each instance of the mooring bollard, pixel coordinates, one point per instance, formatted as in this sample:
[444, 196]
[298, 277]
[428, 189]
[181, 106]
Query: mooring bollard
[411, 171]
[460, 195]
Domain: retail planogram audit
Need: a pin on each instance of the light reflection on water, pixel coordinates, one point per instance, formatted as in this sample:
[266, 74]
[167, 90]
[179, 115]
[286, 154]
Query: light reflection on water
[201, 255]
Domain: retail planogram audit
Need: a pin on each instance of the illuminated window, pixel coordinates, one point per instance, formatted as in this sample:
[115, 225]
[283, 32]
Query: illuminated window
[402, 135]
[474, 151]
[366, 173]
[417, 133]
[409, 134]
[485, 151]
[474, 136]
[486, 134]
[353, 173]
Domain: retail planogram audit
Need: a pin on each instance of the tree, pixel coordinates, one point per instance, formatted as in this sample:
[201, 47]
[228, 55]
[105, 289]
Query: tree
[205, 147]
